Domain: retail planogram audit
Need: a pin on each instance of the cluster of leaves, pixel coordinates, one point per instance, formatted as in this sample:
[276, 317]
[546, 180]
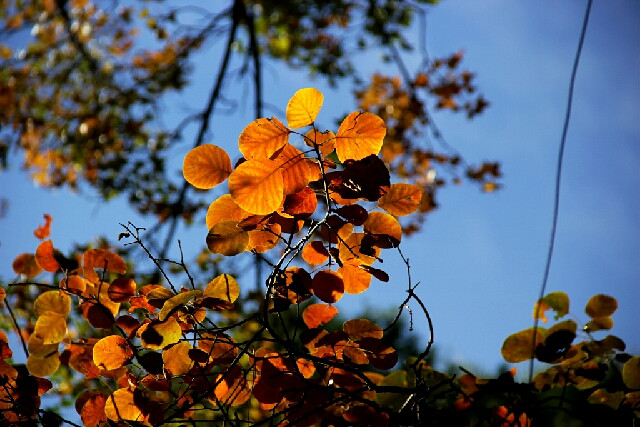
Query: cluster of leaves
[156, 354]
[81, 84]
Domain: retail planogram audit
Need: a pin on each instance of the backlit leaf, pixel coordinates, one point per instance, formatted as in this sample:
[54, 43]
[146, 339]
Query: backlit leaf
[43, 231]
[362, 328]
[206, 166]
[257, 186]
[232, 387]
[517, 347]
[176, 358]
[401, 199]
[318, 314]
[224, 208]
[123, 405]
[90, 405]
[631, 373]
[601, 305]
[45, 257]
[157, 335]
[39, 349]
[356, 280]
[301, 204]
[385, 228]
[111, 352]
[223, 287]
[264, 239]
[356, 248]
[26, 264]
[360, 135]
[221, 348]
[315, 253]
[43, 367]
[226, 238]
[326, 141]
[328, 286]
[262, 138]
[303, 107]
[54, 302]
[74, 284]
[296, 173]
[122, 289]
[175, 302]
[102, 258]
[51, 328]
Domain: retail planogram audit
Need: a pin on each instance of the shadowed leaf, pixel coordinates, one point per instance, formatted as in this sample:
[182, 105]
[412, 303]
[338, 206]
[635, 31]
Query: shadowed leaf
[517, 347]
[226, 238]
[318, 314]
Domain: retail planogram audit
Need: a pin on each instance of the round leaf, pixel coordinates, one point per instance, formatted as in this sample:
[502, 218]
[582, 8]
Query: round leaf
[223, 287]
[358, 329]
[601, 305]
[517, 347]
[303, 107]
[631, 373]
[111, 352]
[176, 301]
[176, 358]
[43, 367]
[122, 405]
[102, 258]
[317, 315]
[326, 141]
[257, 186]
[26, 264]
[206, 166]
[262, 138]
[224, 208]
[51, 328]
[385, 228]
[157, 335]
[401, 199]
[121, 289]
[360, 135]
[54, 302]
[45, 257]
[328, 286]
[226, 238]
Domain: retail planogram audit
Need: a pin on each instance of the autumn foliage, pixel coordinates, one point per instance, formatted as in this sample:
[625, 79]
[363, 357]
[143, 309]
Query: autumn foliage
[323, 203]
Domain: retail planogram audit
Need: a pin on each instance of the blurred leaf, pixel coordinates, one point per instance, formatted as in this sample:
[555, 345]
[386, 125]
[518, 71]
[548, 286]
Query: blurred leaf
[518, 347]
[601, 305]
[631, 373]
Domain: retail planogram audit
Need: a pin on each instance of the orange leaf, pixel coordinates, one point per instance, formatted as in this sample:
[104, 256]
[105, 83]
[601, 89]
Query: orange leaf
[90, 405]
[360, 135]
[303, 107]
[328, 286]
[122, 289]
[326, 141]
[226, 238]
[43, 231]
[262, 138]
[221, 348]
[111, 352]
[318, 314]
[356, 280]
[231, 387]
[257, 186]
[295, 170]
[301, 204]
[315, 253]
[362, 328]
[224, 208]
[206, 166]
[26, 264]
[74, 284]
[356, 248]
[265, 238]
[176, 358]
[102, 258]
[123, 405]
[385, 228]
[401, 199]
[45, 257]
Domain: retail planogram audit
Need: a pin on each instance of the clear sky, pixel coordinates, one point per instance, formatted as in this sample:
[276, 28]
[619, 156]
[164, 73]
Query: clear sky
[480, 257]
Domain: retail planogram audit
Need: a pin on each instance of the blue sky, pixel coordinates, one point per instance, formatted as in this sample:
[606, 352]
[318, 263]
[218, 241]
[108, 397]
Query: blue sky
[480, 257]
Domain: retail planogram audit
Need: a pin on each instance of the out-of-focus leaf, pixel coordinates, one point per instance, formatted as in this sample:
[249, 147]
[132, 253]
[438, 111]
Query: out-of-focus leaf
[518, 347]
[362, 328]
[54, 302]
[601, 305]
[102, 258]
[43, 367]
[45, 257]
[631, 373]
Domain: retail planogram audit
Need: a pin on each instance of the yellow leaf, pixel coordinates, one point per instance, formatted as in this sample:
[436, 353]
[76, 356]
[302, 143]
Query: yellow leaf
[176, 301]
[111, 352]
[37, 347]
[157, 335]
[226, 238]
[303, 107]
[176, 358]
[401, 199]
[262, 138]
[52, 301]
[223, 287]
[360, 135]
[43, 367]
[121, 405]
[51, 328]
[385, 229]
[257, 186]
[517, 347]
[206, 166]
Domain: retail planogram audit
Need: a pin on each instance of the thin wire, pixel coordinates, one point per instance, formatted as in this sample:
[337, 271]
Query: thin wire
[556, 200]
